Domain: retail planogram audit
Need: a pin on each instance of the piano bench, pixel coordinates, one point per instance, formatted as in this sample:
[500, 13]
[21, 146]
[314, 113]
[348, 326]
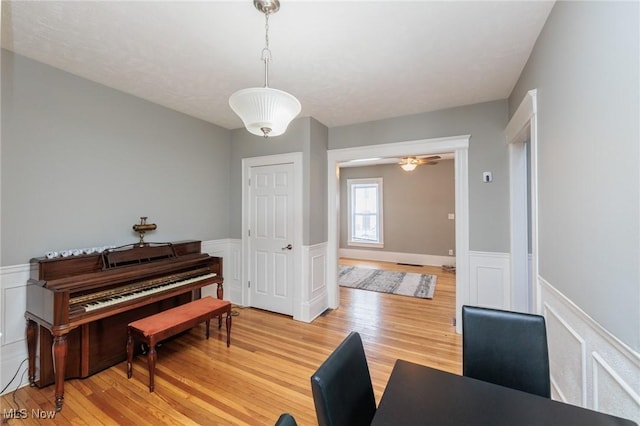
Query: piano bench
[155, 328]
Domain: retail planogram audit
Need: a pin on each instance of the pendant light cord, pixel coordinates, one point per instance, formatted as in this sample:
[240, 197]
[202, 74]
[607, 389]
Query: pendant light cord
[266, 52]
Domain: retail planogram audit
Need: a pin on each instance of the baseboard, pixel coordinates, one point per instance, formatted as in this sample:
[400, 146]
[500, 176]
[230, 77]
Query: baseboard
[590, 367]
[397, 257]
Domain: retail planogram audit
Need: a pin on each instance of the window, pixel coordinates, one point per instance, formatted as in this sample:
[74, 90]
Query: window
[365, 212]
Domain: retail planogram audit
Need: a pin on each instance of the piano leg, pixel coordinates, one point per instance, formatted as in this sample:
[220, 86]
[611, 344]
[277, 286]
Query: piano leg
[220, 291]
[151, 361]
[129, 354]
[228, 324]
[220, 295]
[59, 349]
[32, 333]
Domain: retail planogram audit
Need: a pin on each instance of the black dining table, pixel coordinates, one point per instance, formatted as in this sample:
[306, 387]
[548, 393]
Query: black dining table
[420, 395]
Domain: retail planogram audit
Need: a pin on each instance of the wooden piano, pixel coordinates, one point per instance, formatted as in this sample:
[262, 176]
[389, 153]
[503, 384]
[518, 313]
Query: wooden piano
[78, 307]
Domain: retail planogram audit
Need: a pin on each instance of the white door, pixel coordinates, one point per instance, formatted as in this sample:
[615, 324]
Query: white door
[271, 237]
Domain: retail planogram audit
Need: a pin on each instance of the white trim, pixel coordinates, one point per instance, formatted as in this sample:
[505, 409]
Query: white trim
[461, 162]
[522, 129]
[397, 257]
[378, 182]
[459, 145]
[296, 159]
[516, 129]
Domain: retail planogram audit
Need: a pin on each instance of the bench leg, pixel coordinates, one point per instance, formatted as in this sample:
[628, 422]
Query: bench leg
[129, 354]
[207, 322]
[228, 324]
[151, 360]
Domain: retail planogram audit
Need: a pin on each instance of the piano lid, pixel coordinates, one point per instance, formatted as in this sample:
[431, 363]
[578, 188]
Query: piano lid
[62, 267]
[133, 254]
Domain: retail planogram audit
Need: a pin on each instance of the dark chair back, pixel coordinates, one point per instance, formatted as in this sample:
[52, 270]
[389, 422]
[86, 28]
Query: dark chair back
[506, 348]
[342, 390]
[286, 419]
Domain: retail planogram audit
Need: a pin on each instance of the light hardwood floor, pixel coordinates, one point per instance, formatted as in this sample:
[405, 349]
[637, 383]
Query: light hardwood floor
[266, 370]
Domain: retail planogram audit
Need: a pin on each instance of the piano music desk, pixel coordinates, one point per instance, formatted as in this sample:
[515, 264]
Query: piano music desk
[161, 326]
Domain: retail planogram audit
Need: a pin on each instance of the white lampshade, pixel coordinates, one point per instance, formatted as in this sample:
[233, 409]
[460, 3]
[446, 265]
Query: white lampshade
[265, 108]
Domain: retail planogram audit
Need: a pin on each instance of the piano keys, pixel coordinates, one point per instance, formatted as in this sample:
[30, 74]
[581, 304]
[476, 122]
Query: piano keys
[78, 308]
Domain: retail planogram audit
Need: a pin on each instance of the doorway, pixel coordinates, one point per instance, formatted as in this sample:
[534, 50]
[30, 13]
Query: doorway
[459, 146]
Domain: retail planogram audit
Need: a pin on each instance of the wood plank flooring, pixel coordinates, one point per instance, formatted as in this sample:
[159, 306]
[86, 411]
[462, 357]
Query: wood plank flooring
[267, 369]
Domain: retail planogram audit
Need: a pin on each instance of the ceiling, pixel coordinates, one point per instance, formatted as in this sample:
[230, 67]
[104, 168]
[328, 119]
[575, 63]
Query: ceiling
[346, 61]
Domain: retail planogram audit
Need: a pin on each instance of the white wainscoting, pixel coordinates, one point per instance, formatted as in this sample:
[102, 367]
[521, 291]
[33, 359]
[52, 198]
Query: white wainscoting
[13, 302]
[13, 344]
[314, 300]
[397, 257]
[489, 280]
[231, 252]
[589, 366]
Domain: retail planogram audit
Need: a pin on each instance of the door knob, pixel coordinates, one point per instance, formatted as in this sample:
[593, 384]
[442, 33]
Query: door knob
[288, 247]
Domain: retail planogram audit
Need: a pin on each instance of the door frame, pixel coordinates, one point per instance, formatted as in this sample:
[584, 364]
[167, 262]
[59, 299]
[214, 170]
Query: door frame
[459, 145]
[294, 158]
[523, 129]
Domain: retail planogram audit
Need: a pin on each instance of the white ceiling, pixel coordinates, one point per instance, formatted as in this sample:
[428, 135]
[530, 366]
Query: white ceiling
[347, 62]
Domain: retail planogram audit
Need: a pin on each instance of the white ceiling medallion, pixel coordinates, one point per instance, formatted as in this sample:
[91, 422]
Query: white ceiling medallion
[263, 110]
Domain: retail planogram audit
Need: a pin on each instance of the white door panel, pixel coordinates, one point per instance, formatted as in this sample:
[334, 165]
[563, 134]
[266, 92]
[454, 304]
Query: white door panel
[271, 229]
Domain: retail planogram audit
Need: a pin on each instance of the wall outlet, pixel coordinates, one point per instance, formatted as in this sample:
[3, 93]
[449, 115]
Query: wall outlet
[451, 216]
[450, 252]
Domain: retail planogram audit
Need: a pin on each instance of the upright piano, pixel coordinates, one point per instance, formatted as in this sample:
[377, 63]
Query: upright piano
[78, 307]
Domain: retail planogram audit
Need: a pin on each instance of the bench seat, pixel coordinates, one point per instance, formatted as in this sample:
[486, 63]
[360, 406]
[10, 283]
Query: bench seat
[156, 328]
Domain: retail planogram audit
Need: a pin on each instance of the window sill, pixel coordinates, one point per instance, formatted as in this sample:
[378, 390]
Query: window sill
[364, 244]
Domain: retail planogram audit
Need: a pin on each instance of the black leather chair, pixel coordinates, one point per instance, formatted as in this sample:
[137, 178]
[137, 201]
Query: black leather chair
[506, 348]
[342, 390]
[286, 419]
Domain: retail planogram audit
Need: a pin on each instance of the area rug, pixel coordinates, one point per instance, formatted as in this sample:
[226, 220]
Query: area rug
[402, 283]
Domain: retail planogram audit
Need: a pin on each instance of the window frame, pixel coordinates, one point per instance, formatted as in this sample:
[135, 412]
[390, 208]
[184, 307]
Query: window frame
[351, 184]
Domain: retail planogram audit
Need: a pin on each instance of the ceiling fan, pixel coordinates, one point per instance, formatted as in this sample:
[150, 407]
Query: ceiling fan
[410, 163]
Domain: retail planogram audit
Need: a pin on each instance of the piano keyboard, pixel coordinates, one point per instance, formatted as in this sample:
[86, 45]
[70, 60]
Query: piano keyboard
[99, 304]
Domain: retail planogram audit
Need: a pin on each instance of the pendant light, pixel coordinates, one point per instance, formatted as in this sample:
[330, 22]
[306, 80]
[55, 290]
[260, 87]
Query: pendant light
[263, 110]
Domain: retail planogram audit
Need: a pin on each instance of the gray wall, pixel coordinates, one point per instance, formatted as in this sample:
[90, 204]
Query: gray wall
[488, 203]
[305, 135]
[416, 205]
[585, 67]
[317, 188]
[81, 162]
